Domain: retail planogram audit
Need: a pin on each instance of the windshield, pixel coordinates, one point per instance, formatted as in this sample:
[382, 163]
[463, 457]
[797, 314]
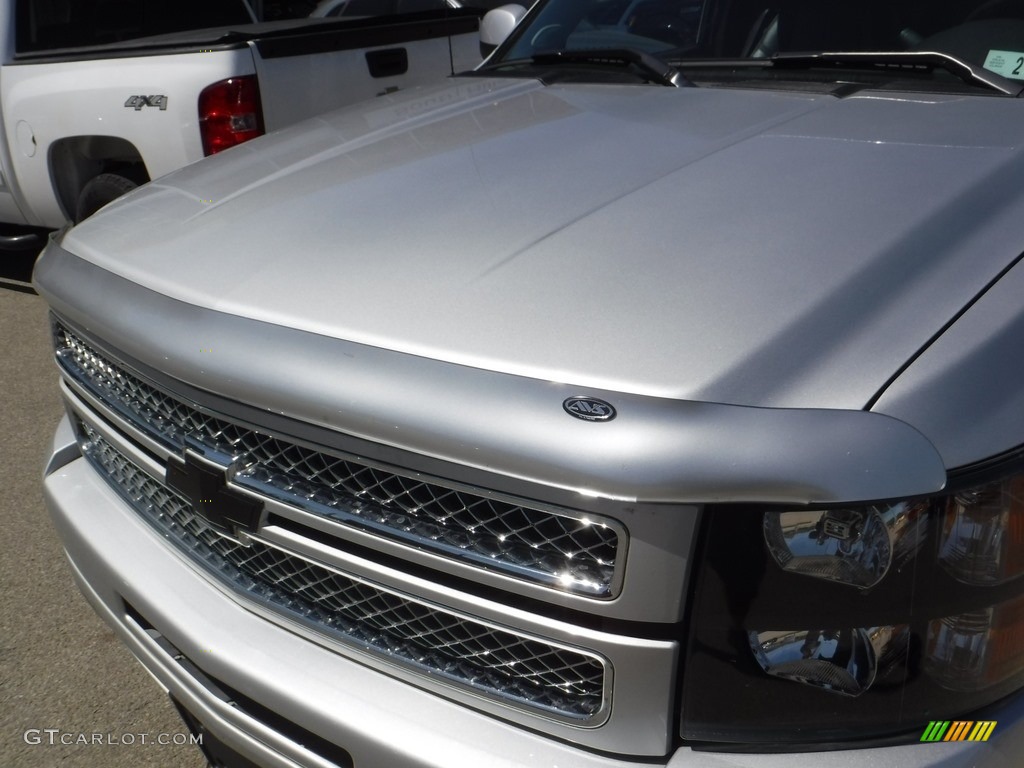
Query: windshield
[984, 34]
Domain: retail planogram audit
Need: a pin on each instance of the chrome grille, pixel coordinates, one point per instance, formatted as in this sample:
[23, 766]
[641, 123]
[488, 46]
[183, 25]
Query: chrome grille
[490, 660]
[555, 548]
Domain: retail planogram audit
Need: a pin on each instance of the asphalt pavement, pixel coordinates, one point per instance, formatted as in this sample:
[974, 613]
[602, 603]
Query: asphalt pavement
[70, 694]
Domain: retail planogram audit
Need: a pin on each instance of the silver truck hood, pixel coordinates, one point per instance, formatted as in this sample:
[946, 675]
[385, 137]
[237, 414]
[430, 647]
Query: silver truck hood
[715, 245]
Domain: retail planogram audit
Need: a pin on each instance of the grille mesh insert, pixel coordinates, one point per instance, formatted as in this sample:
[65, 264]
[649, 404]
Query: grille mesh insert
[490, 660]
[557, 549]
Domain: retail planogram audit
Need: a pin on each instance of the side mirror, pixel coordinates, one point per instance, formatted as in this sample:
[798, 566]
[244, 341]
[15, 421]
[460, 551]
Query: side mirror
[498, 24]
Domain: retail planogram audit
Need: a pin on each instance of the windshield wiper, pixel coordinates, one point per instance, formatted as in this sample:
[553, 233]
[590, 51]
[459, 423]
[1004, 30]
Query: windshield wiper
[926, 60]
[656, 70]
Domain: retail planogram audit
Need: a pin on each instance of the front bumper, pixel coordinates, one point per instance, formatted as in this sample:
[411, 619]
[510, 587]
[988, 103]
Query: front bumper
[161, 607]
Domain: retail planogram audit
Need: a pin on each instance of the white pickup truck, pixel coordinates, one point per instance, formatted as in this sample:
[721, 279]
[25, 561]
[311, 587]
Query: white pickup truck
[98, 97]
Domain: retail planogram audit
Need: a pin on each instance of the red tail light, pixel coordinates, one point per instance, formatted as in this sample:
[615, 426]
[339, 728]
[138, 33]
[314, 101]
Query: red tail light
[230, 113]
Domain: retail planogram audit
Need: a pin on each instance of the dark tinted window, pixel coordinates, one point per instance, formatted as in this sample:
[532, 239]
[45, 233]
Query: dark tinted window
[414, 6]
[364, 8]
[49, 24]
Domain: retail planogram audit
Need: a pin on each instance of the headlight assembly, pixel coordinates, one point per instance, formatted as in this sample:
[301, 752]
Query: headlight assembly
[855, 623]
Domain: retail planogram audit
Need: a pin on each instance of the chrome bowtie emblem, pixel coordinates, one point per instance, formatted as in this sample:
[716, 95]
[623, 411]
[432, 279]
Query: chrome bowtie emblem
[589, 409]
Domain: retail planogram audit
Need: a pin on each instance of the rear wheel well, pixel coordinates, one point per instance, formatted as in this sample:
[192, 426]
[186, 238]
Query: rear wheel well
[77, 160]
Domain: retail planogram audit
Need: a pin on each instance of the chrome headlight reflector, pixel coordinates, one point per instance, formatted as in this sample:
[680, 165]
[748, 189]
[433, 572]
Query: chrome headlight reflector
[843, 661]
[854, 546]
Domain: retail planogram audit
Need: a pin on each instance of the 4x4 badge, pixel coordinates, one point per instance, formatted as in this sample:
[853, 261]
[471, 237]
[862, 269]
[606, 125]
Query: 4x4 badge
[589, 409]
[138, 102]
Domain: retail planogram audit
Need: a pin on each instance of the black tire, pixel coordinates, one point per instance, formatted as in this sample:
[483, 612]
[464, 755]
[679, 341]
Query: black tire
[100, 191]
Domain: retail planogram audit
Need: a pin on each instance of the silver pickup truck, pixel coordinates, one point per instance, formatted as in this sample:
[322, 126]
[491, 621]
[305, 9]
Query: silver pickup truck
[651, 395]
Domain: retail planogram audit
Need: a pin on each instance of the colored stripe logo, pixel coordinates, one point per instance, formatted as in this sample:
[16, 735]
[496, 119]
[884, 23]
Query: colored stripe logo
[959, 730]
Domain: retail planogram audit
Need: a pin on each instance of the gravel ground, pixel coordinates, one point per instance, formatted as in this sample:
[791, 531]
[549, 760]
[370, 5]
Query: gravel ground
[60, 667]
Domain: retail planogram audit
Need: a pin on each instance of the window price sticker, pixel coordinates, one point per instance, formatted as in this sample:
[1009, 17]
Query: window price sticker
[1006, 63]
